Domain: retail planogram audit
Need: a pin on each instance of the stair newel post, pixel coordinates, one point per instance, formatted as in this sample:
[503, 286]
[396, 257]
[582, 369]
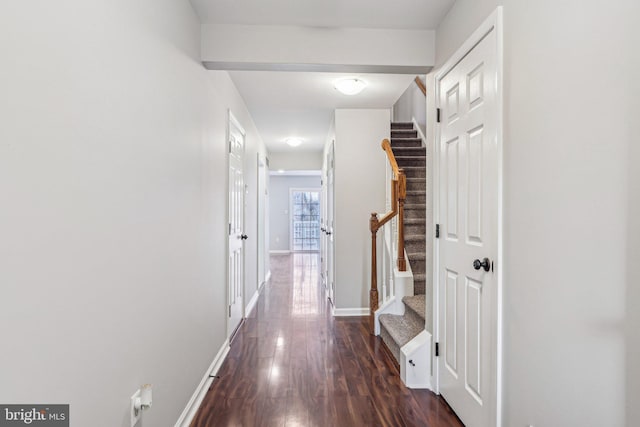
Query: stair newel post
[402, 195]
[373, 293]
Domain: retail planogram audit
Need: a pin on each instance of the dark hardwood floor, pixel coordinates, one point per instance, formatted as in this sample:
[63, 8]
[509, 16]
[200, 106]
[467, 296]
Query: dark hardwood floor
[293, 364]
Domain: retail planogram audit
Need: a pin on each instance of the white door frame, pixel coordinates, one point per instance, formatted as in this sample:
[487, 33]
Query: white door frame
[493, 23]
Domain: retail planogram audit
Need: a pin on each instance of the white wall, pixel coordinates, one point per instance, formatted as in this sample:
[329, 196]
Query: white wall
[359, 190]
[296, 160]
[279, 214]
[263, 44]
[113, 218]
[411, 105]
[571, 207]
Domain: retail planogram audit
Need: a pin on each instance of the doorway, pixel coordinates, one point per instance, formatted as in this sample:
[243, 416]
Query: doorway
[468, 197]
[305, 219]
[236, 236]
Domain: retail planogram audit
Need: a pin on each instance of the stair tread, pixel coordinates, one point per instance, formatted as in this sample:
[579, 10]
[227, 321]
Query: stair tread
[414, 221]
[417, 255]
[402, 329]
[419, 157]
[415, 206]
[416, 303]
[414, 237]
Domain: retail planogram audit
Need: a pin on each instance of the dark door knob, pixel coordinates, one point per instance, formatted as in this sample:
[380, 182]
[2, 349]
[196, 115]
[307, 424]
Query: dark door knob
[485, 263]
[244, 236]
[328, 233]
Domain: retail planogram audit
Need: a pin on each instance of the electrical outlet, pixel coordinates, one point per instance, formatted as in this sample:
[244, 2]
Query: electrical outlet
[135, 414]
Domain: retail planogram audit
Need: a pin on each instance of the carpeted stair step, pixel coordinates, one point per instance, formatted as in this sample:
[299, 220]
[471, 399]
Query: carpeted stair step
[416, 196]
[419, 281]
[415, 171]
[404, 133]
[405, 161]
[409, 151]
[416, 184]
[401, 125]
[415, 210]
[406, 142]
[415, 243]
[417, 260]
[416, 305]
[416, 226]
[396, 331]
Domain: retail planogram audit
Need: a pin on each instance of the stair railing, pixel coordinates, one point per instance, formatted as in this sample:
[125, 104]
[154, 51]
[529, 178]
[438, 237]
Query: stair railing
[398, 197]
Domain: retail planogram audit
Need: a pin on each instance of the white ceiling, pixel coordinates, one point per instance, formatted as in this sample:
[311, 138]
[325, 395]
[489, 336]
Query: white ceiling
[301, 104]
[397, 14]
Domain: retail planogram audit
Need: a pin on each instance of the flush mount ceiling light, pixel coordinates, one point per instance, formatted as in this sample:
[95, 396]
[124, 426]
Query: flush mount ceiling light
[294, 142]
[350, 86]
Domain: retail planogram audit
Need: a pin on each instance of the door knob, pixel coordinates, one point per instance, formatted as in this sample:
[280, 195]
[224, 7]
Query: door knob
[244, 236]
[328, 233]
[485, 263]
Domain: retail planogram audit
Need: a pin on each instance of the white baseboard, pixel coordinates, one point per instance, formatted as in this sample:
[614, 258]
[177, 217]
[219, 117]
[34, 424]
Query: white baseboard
[340, 312]
[196, 399]
[280, 252]
[252, 303]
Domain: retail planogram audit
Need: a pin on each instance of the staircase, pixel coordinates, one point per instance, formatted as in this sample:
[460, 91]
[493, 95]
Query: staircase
[397, 330]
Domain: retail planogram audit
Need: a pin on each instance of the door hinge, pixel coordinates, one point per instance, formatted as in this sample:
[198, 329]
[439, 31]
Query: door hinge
[437, 349]
[229, 145]
[229, 229]
[437, 231]
[230, 312]
[437, 115]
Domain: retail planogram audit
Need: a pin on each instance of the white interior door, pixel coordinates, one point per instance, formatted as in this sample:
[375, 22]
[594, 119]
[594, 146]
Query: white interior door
[468, 215]
[235, 272]
[263, 219]
[323, 229]
[330, 224]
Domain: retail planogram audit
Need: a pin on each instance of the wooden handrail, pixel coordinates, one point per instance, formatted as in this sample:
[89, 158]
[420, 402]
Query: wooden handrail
[421, 85]
[398, 196]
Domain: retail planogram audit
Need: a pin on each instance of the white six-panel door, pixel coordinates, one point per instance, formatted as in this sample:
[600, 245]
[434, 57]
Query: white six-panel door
[468, 215]
[235, 272]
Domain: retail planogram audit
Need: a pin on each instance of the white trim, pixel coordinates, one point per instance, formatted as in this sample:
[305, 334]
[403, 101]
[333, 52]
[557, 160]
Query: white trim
[493, 22]
[198, 395]
[341, 312]
[279, 252]
[267, 277]
[252, 303]
[420, 134]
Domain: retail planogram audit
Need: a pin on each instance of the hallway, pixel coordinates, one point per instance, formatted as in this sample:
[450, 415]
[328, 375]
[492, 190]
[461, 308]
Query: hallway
[293, 364]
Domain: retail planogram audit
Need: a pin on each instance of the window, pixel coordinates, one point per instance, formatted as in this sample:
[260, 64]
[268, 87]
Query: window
[305, 220]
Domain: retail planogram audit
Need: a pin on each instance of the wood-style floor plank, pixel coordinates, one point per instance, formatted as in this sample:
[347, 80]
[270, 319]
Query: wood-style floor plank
[293, 364]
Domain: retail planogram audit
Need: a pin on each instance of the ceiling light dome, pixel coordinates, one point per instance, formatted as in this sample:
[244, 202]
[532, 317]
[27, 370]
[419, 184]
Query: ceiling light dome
[350, 86]
[294, 142]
